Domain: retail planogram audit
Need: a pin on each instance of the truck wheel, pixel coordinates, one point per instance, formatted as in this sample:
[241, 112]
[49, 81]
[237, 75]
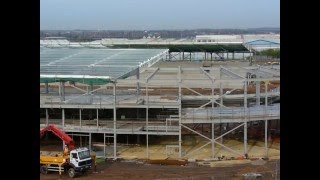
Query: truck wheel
[71, 173]
[44, 169]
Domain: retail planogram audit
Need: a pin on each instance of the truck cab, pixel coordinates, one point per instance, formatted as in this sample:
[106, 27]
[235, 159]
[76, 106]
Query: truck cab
[80, 161]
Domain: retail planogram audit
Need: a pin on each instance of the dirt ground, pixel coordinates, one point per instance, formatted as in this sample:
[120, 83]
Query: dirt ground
[135, 170]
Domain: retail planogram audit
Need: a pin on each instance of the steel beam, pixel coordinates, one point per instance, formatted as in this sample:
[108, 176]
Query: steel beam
[231, 73]
[207, 74]
[152, 74]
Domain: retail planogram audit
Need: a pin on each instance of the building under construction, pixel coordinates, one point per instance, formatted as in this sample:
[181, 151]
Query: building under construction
[137, 95]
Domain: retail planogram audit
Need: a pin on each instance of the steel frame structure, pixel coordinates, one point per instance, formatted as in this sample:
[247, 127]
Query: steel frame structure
[182, 121]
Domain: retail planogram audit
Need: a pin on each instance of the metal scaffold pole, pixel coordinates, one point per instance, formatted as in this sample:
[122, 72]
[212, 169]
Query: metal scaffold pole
[114, 122]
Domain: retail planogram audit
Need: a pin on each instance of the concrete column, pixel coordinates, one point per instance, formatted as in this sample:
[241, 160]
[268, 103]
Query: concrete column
[47, 117]
[190, 57]
[243, 56]
[233, 55]
[227, 55]
[182, 55]
[114, 122]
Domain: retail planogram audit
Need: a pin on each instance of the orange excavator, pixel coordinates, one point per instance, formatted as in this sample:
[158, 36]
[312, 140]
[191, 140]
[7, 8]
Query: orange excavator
[73, 162]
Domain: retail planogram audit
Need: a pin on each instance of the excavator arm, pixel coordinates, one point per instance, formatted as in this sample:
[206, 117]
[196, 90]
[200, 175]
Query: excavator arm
[63, 136]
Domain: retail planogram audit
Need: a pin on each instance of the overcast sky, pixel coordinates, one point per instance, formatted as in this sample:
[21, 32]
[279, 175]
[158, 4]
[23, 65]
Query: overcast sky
[157, 14]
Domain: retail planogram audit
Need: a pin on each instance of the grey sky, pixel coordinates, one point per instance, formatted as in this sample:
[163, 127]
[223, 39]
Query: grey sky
[158, 14]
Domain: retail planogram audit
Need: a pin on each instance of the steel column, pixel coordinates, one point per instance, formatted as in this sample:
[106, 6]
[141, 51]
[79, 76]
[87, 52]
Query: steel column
[180, 139]
[63, 119]
[80, 118]
[63, 98]
[212, 137]
[147, 120]
[114, 122]
[104, 144]
[46, 87]
[266, 121]
[47, 117]
[257, 93]
[138, 84]
[97, 118]
[89, 141]
[245, 118]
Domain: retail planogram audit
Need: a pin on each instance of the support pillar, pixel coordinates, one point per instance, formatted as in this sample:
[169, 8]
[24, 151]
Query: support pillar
[104, 144]
[180, 138]
[147, 121]
[138, 139]
[212, 137]
[61, 91]
[47, 87]
[190, 57]
[114, 122]
[138, 84]
[257, 93]
[243, 56]
[63, 119]
[266, 122]
[182, 55]
[211, 56]
[89, 141]
[245, 119]
[80, 118]
[47, 117]
[227, 56]
[97, 118]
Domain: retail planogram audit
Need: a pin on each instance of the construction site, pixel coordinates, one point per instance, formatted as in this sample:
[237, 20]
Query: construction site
[208, 103]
